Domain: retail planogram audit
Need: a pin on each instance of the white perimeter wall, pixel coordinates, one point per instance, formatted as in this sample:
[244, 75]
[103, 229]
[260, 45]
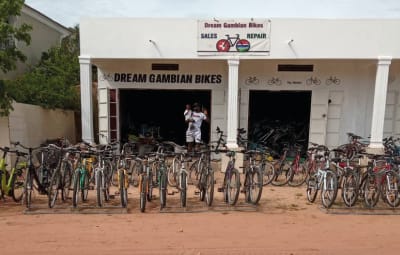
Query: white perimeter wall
[32, 125]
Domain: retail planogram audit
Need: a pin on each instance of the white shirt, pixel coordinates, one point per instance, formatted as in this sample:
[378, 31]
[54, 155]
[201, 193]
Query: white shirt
[197, 118]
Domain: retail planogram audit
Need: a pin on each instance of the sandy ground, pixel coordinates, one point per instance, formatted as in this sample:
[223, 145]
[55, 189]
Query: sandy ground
[284, 223]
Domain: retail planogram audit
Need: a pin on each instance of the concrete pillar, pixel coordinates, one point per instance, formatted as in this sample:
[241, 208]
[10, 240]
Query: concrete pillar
[233, 92]
[86, 99]
[378, 111]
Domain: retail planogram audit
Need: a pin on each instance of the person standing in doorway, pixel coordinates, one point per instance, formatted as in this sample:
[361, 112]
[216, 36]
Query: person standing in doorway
[194, 117]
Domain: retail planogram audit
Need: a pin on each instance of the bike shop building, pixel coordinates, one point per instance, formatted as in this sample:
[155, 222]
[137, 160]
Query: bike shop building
[328, 77]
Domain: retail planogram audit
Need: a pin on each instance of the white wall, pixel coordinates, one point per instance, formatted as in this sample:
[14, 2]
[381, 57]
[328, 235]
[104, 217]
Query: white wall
[32, 125]
[177, 38]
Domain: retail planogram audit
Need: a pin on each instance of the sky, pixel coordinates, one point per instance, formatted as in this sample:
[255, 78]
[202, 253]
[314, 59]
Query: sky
[69, 12]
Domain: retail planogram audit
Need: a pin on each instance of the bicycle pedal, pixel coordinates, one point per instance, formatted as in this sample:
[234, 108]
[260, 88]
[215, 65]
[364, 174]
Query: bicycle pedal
[243, 191]
[220, 189]
[197, 192]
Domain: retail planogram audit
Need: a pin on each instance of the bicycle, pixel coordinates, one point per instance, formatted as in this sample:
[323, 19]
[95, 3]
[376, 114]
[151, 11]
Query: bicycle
[298, 170]
[82, 175]
[380, 180]
[123, 180]
[275, 81]
[145, 182]
[253, 182]
[31, 176]
[313, 81]
[62, 175]
[252, 80]
[12, 182]
[332, 80]
[224, 45]
[323, 179]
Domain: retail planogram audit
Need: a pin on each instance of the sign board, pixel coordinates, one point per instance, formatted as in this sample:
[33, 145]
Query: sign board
[233, 37]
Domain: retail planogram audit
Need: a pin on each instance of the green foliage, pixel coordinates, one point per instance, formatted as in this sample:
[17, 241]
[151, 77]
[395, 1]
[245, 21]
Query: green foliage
[53, 82]
[9, 53]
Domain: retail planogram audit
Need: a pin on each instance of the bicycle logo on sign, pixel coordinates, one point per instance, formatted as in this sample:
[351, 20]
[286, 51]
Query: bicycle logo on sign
[252, 80]
[275, 81]
[313, 81]
[332, 80]
[224, 45]
[106, 77]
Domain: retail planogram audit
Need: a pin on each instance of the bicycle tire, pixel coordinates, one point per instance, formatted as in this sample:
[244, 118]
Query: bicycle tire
[172, 172]
[268, 173]
[84, 183]
[194, 172]
[53, 188]
[17, 184]
[202, 184]
[391, 189]
[123, 189]
[329, 189]
[282, 175]
[66, 181]
[143, 196]
[233, 187]
[150, 187]
[75, 192]
[371, 192]
[298, 177]
[350, 189]
[183, 188]
[99, 189]
[255, 187]
[312, 189]
[209, 196]
[163, 189]
[28, 189]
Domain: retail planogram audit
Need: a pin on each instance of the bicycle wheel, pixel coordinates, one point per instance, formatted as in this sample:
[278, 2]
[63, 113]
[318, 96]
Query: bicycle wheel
[84, 185]
[17, 186]
[209, 196]
[142, 188]
[312, 188]
[99, 188]
[53, 188]
[76, 188]
[183, 188]
[268, 171]
[66, 180]
[202, 183]
[172, 172]
[282, 174]
[194, 173]
[256, 186]
[371, 191]
[329, 189]
[390, 189]
[150, 187]
[350, 189]
[28, 189]
[163, 189]
[123, 189]
[298, 175]
[232, 188]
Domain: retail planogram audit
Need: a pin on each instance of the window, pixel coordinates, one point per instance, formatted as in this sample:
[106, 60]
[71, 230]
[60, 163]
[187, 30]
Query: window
[113, 114]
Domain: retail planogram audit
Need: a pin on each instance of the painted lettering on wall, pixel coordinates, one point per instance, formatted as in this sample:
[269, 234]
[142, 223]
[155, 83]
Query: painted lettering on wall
[163, 78]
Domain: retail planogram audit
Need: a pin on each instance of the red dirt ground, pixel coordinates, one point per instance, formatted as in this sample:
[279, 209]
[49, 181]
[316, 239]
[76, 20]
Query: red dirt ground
[284, 223]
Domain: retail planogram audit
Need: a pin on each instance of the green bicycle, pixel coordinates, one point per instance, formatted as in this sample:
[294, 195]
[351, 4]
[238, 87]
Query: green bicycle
[12, 182]
[81, 178]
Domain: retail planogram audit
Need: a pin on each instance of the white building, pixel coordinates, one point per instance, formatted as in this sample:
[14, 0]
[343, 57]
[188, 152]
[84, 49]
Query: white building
[348, 70]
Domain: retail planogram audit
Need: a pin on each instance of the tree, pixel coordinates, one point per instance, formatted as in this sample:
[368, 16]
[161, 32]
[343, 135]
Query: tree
[9, 33]
[52, 82]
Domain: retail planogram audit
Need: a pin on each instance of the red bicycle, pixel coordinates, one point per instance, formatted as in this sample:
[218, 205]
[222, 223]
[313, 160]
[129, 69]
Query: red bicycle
[224, 45]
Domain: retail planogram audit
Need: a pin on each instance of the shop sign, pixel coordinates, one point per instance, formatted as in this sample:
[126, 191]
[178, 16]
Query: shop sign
[233, 37]
[162, 78]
